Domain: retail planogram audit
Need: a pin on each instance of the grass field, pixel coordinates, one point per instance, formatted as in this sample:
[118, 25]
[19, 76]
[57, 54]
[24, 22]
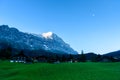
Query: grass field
[63, 71]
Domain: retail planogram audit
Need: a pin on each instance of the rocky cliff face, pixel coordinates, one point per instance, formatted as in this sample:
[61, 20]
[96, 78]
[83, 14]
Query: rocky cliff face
[47, 41]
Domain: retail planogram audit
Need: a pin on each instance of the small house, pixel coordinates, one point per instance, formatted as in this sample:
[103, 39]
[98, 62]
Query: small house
[20, 58]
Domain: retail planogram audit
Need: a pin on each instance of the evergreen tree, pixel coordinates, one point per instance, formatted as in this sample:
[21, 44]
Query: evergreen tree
[63, 58]
[82, 57]
[70, 57]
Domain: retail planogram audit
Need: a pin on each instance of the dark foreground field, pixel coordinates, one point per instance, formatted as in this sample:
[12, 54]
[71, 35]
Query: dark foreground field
[63, 71]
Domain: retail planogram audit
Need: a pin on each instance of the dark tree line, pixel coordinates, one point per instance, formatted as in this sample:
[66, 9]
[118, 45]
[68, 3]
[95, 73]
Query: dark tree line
[5, 53]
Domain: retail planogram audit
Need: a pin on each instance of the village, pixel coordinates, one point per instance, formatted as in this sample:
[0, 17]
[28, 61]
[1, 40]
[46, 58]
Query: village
[89, 57]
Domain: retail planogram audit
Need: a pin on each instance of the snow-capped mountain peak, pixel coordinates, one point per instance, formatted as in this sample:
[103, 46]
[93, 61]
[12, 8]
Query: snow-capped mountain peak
[47, 35]
[27, 41]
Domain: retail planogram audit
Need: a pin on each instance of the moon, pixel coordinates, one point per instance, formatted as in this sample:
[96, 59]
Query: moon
[93, 14]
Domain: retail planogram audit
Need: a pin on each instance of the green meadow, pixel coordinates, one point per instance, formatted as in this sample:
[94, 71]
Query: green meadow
[62, 71]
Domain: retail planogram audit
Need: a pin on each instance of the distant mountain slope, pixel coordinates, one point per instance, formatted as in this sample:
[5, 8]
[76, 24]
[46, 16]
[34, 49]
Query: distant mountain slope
[114, 54]
[90, 56]
[25, 41]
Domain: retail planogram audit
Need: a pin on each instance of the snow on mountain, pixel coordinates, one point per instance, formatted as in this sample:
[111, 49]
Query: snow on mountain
[46, 41]
[47, 35]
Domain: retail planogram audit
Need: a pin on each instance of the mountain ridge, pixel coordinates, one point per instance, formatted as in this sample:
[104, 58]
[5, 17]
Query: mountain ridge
[46, 41]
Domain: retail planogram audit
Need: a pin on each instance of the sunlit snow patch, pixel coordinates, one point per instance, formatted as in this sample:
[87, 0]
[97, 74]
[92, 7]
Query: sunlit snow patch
[47, 35]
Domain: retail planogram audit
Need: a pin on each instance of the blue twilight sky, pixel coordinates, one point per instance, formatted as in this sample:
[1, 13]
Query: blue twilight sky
[89, 25]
